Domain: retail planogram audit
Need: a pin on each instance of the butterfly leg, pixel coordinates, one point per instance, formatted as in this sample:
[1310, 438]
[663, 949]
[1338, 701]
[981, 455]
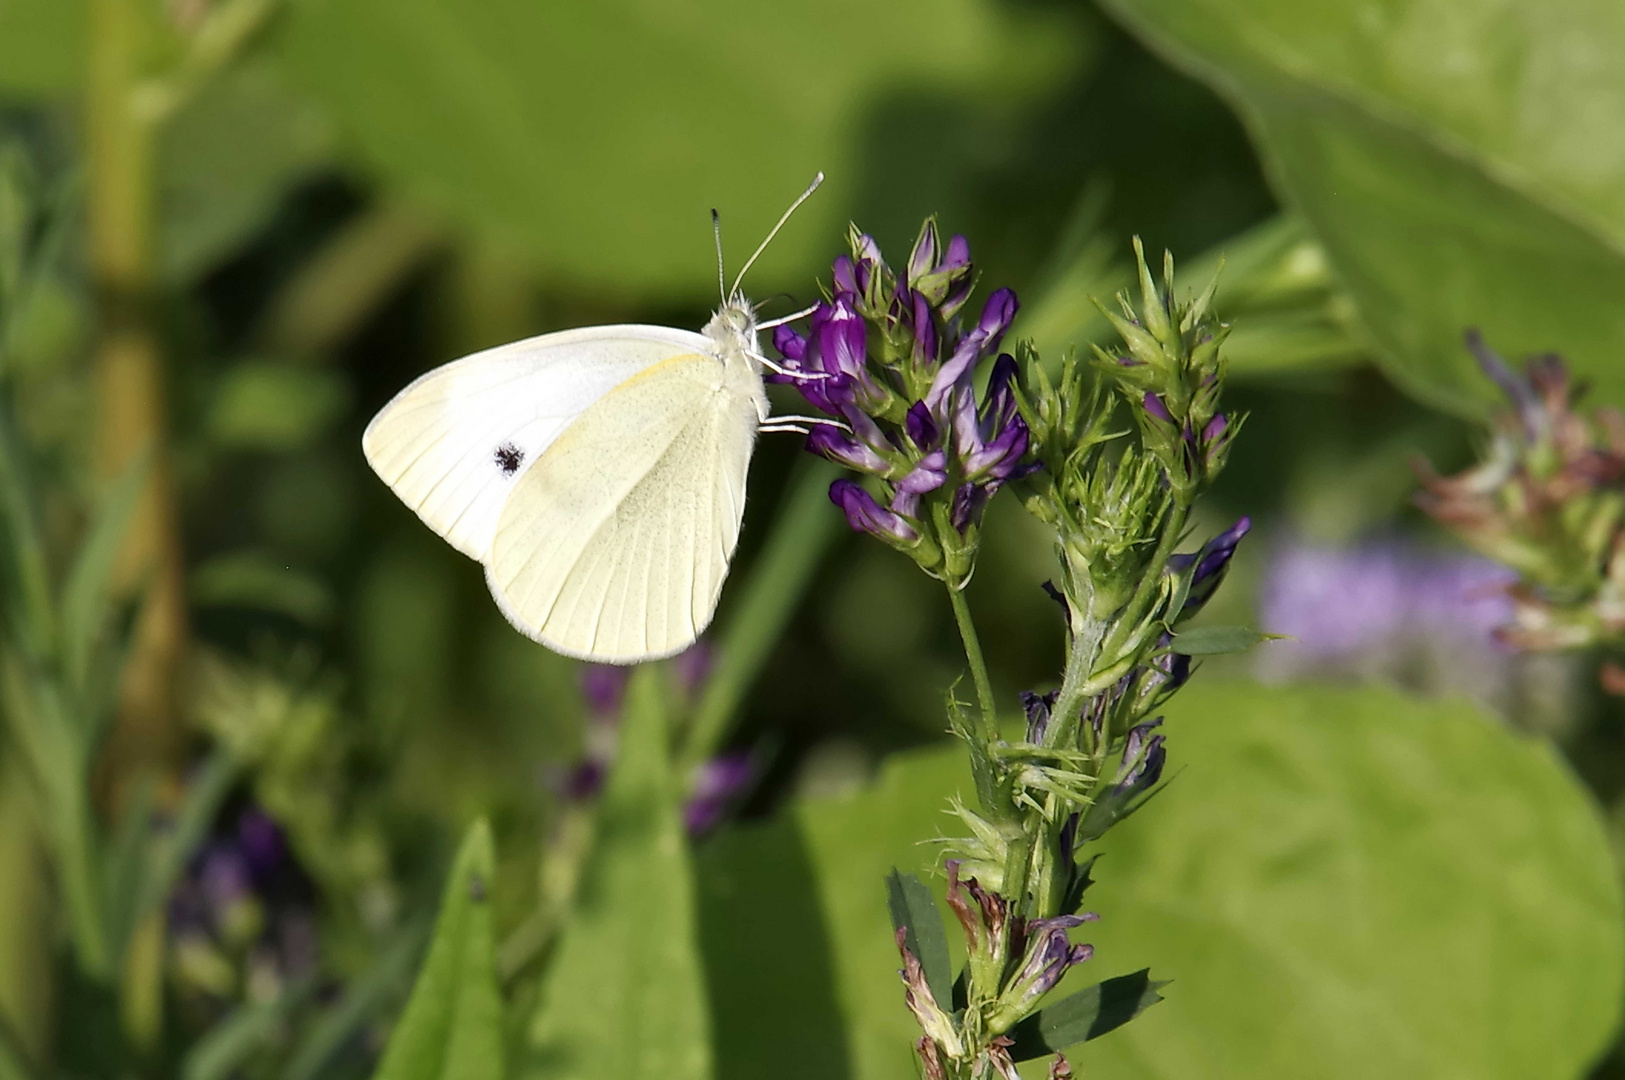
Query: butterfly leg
[789, 373]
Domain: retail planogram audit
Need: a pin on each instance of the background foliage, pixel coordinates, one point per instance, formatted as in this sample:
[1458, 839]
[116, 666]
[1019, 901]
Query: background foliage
[1344, 879]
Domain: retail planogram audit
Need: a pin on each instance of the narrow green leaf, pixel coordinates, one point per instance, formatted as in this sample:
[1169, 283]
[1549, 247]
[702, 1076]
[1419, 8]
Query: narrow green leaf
[365, 998]
[30, 570]
[452, 1027]
[158, 872]
[913, 907]
[85, 593]
[1214, 640]
[626, 996]
[1088, 1014]
[227, 1047]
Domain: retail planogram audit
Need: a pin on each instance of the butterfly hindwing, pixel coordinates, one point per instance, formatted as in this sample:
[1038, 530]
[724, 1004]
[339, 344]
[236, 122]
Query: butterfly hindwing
[454, 443]
[613, 545]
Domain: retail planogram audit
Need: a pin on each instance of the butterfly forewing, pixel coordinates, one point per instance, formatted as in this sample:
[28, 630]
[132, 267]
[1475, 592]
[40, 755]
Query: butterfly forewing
[613, 545]
[455, 442]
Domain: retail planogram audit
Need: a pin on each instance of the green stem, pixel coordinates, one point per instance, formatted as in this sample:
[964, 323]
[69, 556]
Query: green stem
[1095, 640]
[978, 666]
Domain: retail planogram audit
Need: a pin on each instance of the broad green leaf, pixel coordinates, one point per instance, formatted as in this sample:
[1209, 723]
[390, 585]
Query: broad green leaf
[625, 996]
[452, 1026]
[1216, 640]
[1461, 161]
[914, 910]
[595, 136]
[226, 161]
[1340, 883]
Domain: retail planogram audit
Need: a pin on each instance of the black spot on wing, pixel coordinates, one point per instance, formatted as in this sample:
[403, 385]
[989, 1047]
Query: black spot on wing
[508, 458]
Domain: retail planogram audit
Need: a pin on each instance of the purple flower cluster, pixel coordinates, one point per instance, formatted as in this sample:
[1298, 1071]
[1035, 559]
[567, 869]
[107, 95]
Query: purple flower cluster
[894, 363]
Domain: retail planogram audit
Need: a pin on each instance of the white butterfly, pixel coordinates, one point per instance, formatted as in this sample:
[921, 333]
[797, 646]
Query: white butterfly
[599, 473]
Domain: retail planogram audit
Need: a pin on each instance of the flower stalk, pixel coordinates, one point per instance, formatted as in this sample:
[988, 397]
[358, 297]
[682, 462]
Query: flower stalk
[934, 420]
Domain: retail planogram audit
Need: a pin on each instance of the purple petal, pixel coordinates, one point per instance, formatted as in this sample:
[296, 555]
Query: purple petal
[997, 315]
[928, 475]
[1154, 406]
[865, 515]
[839, 447]
[921, 427]
[843, 275]
[789, 342]
[923, 259]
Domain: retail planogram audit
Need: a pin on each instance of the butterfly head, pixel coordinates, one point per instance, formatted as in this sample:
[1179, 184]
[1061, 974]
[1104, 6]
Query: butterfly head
[733, 330]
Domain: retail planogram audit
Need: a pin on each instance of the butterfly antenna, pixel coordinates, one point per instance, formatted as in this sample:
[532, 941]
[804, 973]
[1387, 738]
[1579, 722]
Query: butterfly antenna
[812, 187]
[716, 233]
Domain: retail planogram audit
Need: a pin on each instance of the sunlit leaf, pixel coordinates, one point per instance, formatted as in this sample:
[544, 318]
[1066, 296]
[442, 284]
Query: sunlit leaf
[596, 136]
[1345, 884]
[625, 998]
[452, 1026]
[1463, 164]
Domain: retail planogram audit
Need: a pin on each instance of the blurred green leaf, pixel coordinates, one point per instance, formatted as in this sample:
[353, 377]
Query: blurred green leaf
[254, 579]
[1341, 883]
[264, 405]
[321, 1041]
[86, 596]
[452, 1027]
[802, 532]
[1463, 164]
[227, 1047]
[42, 45]
[595, 136]
[625, 997]
[226, 161]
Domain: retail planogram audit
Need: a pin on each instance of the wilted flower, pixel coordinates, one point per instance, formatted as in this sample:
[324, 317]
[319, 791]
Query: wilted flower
[1548, 500]
[891, 361]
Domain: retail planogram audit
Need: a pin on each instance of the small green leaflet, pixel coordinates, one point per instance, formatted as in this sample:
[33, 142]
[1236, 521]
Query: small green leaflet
[1216, 640]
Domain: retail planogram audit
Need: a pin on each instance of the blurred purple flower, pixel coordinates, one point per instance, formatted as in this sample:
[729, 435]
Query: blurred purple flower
[602, 686]
[717, 784]
[1338, 601]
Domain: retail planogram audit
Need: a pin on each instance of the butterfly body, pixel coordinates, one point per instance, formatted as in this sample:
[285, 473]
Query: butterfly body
[598, 474]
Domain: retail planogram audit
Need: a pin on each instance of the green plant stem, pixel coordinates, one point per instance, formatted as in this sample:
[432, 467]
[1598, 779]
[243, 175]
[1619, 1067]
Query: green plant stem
[120, 147]
[777, 583]
[1102, 639]
[978, 666]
